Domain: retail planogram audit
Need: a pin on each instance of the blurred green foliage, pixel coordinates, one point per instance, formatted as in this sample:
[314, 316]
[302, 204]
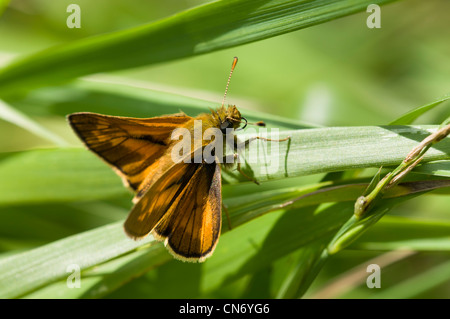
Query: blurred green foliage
[339, 73]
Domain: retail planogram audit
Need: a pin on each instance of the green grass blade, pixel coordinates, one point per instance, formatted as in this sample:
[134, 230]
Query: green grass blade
[334, 149]
[101, 280]
[122, 97]
[304, 271]
[25, 272]
[395, 232]
[411, 116]
[13, 116]
[54, 176]
[213, 26]
[77, 174]
[438, 168]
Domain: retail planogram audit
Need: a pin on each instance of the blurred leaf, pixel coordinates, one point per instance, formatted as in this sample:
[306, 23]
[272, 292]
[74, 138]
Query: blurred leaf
[275, 254]
[54, 175]
[13, 116]
[396, 232]
[25, 226]
[3, 5]
[213, 26]
[438, 168]
[418, 284]
[123, 97]
[411, 116]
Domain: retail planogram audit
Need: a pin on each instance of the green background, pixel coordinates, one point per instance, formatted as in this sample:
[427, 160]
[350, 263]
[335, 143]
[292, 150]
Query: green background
[336, 73]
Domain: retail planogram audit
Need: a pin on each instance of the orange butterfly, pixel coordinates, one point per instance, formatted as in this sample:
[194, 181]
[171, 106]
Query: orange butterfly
[179, 203]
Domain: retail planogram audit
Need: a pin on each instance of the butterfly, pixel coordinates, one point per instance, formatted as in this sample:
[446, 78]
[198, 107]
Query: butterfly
[180, 202]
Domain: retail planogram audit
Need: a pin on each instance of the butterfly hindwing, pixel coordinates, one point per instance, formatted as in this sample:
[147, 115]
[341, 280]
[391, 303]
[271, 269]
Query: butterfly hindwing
[184, 208]
[192, 229]
[158, 199]
[130, 145]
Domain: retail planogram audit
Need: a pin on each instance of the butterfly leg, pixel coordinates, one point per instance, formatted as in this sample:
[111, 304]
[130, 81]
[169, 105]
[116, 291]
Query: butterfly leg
[239, 145]
[247, 142]
[230, 160]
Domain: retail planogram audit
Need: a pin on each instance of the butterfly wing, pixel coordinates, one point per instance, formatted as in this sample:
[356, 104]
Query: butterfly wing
[130, 145]
[184, 208]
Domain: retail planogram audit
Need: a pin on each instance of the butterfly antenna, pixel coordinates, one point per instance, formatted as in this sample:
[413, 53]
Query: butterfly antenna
[229, 78]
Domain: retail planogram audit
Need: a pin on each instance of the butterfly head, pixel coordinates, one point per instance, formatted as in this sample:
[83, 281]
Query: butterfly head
[229, 118]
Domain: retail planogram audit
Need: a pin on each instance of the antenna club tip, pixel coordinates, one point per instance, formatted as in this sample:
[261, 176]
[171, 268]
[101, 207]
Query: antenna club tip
[260, 123]
[235, 60]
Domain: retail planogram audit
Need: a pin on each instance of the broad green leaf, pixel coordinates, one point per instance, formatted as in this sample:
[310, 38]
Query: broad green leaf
[213, 26]
[77, 174]
[104, 278]
[322, 150]
[24, 272]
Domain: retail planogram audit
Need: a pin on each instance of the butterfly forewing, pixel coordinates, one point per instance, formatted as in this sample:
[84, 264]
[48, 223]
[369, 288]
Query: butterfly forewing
[130, 145]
